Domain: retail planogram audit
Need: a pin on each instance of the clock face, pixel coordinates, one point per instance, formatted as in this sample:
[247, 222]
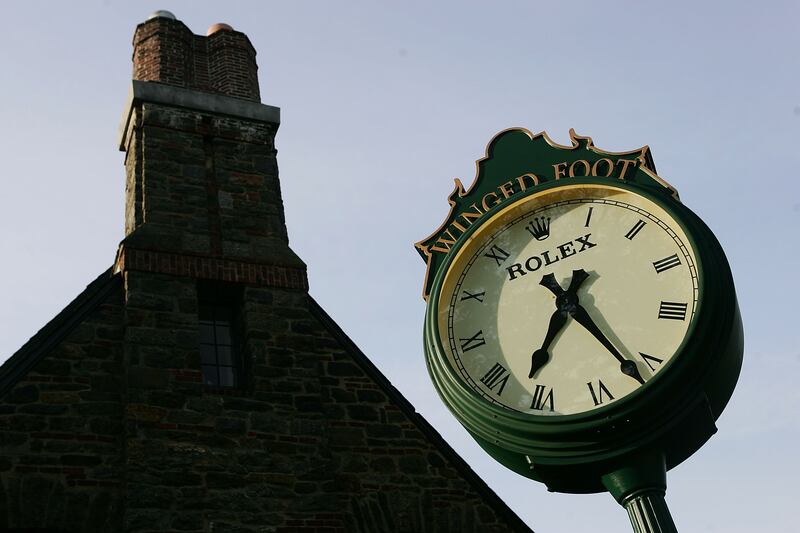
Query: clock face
[568, 300]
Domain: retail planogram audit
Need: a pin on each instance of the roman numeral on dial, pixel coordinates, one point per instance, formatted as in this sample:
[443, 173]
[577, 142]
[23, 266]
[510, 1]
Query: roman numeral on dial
[672, 311]
[497, 376]
[635, 230]
[540, 399]
[469, 296]
[472, 342]
[597, 396]
[648, 358]
[665, 264]
[498, 254]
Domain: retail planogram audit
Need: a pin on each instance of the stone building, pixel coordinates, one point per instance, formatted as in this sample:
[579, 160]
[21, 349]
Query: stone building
[195, 385]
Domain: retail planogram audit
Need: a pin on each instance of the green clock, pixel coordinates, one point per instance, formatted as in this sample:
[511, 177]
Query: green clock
[584, 329]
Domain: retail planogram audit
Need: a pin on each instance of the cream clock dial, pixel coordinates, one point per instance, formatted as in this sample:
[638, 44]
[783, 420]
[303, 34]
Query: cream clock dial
[568, 300]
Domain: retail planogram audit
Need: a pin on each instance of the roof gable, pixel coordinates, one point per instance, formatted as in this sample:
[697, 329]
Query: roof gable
[52, 333]
[490, 497]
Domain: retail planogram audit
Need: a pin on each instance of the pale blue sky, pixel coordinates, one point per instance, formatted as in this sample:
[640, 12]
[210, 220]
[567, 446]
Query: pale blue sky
[383, 103]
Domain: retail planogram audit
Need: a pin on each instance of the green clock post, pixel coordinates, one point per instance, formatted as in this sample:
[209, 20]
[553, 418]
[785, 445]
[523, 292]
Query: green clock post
[582, 323]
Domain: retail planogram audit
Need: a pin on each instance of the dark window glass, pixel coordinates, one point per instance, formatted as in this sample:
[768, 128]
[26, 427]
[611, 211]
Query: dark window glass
[208, 354]
[206, 333]
[218, 305]
[210, 375]
[224, 356]
[227, 377]
[223, 332]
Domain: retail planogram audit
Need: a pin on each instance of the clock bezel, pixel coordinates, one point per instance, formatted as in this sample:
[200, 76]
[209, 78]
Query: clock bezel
[464, 256]
[641, 416]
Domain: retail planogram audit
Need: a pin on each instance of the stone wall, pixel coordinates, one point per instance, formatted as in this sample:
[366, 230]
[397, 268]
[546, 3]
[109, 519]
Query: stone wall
[61, 449]
[113, 430]
[311, 442]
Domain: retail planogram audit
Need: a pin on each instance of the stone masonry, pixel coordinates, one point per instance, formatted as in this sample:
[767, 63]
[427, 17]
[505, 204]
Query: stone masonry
[61, 429]
[106, 423]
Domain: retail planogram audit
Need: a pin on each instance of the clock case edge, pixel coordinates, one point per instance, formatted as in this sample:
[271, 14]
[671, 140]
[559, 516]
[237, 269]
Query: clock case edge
[664, 422]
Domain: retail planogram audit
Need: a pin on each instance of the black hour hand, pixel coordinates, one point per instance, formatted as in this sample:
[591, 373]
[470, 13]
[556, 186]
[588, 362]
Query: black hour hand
[541, 356]
[565, 303]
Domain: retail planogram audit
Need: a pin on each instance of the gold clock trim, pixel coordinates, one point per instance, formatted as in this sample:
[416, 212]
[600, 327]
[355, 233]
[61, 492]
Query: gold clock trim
[643, 154]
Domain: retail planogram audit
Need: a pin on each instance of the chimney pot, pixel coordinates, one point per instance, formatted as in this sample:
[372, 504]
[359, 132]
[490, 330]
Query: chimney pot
[162, 13]
[218, 26]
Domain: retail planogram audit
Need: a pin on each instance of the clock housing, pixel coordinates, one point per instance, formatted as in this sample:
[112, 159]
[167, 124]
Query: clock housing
[673, 413]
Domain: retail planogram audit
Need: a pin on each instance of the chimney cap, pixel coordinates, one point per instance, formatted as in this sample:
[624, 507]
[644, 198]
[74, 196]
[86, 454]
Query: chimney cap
[163, 13]
[218, 26]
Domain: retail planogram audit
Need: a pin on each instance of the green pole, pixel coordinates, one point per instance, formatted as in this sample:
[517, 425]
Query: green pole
[649, 513]
[639, 486]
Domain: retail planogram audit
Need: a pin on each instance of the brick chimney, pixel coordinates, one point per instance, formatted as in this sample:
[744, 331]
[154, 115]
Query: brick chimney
[223, 62]
[202, 186]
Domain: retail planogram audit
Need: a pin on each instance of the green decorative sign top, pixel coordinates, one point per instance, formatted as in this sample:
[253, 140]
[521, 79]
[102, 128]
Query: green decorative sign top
[516, 161]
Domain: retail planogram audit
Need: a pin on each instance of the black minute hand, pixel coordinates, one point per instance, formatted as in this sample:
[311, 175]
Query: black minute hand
[627, 366]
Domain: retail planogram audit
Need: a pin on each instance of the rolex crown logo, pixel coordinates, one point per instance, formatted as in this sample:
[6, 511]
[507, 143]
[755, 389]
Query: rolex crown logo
[539, 227]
